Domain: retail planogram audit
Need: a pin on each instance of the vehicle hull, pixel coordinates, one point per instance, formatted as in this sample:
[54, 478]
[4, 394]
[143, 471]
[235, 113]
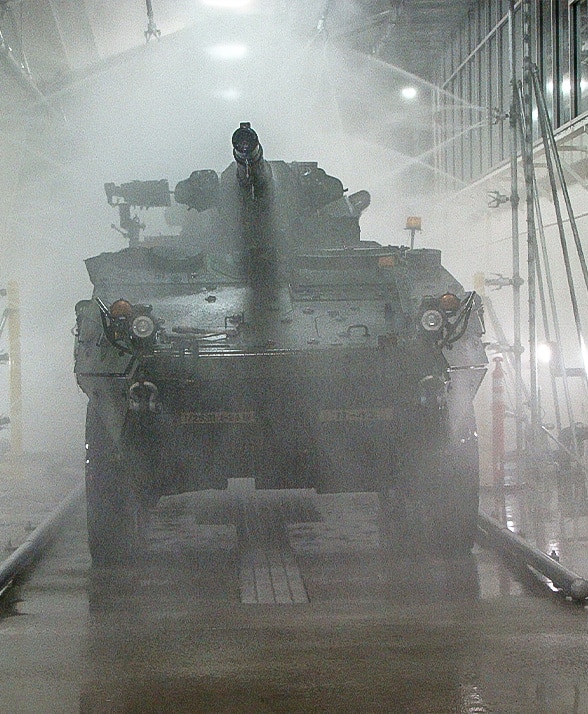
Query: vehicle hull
[333, 421]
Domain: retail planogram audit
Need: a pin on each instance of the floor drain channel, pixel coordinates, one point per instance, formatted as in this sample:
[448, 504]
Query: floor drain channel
[268, 571]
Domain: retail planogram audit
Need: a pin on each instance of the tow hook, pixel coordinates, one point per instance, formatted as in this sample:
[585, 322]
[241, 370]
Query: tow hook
[144, 397]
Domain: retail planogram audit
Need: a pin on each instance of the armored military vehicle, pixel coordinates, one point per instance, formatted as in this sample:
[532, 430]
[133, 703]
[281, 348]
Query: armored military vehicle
[266, 340]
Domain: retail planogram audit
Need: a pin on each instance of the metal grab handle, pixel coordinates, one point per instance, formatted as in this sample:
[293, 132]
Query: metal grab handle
[144, 394]
[366, 332]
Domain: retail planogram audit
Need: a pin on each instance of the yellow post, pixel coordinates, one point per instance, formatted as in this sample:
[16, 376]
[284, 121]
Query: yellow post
[13, 323]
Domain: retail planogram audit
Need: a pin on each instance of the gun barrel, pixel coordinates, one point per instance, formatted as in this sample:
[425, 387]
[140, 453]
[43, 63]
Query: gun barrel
[252, 168]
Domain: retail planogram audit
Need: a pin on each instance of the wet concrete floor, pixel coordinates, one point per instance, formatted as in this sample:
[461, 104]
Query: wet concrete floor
[381, 633]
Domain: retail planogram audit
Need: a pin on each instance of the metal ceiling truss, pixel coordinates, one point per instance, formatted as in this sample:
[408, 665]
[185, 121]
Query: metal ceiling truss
[12, 54]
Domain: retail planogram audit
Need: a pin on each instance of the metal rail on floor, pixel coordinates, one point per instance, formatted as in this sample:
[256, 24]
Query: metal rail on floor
[490, 531]
[571, 584]
[33, 547]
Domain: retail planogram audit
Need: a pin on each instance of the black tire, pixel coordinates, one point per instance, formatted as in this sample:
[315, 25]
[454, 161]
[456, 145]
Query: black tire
[432, 507]
[456, 501]
[465, 483]
[112, 510]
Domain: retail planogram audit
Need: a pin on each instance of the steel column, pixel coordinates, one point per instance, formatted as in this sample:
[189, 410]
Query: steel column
[15, 387]
[531, 233]
[498, 449]
[516, 266]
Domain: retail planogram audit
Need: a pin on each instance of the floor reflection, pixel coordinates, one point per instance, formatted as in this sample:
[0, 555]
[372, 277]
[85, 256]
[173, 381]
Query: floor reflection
[549, 508]
[382, 632]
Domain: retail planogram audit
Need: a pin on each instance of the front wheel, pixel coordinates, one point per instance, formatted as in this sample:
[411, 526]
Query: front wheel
[455, 504]
[112, 510]
[433, 505]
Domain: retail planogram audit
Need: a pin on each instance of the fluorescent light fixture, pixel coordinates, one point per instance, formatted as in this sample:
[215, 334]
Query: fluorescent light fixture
[227, 4]
[230, 95]
[409, 92]
[227, 52]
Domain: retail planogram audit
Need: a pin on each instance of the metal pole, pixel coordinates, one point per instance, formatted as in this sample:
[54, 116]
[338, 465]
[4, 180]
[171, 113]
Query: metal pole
[554, 316]
[542, 109]
[498, 450]
[152, 29]
[566, 580]
[561, 177]
[15, 387]
[516, 269]
[531, 235]
[29, 551]
[14, 67]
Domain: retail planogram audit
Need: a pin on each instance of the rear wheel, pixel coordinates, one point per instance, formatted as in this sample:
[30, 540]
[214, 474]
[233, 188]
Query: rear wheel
[113, 513]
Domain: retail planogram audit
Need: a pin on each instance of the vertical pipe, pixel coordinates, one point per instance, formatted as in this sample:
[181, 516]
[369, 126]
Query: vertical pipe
[555, 319]
[438, 121]
[531, 234]
[514, 203]
[15, 386]
[152, 29]
[498, 449]
[555, 62]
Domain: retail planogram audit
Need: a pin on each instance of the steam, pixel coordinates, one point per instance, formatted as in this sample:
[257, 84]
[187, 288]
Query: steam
[161, 111]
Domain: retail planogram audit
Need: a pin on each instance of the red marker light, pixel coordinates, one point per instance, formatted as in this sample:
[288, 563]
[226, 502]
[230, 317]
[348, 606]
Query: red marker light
[121, 308]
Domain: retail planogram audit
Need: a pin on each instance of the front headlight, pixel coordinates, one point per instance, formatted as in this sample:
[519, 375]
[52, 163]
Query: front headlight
[432, 320]
[142, 326]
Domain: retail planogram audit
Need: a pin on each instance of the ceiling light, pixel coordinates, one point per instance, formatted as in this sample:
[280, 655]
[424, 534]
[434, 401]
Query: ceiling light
[227, 52]
[227, 4]
[229, 95]
[544, 352]
[409, 92]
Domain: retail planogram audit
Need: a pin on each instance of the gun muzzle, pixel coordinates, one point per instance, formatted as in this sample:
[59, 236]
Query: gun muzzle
[246, 147]
[252, 169]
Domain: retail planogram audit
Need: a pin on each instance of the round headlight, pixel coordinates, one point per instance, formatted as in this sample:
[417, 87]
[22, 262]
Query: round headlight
[432, 320]
[142, 326]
